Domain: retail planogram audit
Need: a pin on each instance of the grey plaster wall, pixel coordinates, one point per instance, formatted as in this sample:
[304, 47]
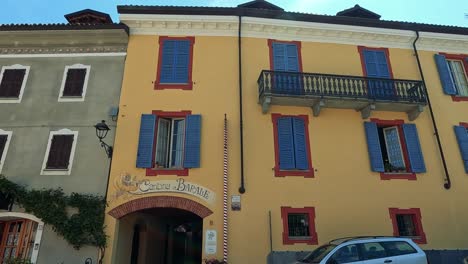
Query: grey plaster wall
[39, 113]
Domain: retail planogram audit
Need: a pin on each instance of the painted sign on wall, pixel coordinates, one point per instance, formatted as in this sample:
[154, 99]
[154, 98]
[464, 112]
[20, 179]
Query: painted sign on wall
[179, 185]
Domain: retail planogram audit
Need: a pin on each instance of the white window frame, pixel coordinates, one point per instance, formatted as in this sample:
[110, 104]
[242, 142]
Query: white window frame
[7, 144]
[399, 143]
[67, 171]
[23, 85]
[454, 77]
[62, 98]
[170, 139]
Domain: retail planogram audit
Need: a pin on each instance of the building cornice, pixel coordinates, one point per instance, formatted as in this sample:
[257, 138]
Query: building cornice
[63, 41]
[198, 25]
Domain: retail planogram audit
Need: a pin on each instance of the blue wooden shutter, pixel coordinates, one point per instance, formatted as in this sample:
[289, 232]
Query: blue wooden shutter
[192, 141]
[414, 148]
[292, 58]
[181, 63]
[300, 148]
[285, 143]
[168, 59]
[462, 137]
[382, 64]
[279, 57]
[445, 76]
[371, 63]
[373, 146]
[146, 141]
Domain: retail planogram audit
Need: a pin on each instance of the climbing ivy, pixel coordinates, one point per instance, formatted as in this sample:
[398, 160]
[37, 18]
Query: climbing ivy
[78, 218]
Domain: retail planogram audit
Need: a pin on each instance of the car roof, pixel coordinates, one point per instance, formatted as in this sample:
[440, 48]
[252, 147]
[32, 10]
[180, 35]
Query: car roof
[363, 239]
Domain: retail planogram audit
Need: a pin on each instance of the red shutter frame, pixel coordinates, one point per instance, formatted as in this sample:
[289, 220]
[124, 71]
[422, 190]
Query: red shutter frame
[310, 211]
[463, 58]
[416, 213]
[189, 85]
[299, 51]
[281, 173]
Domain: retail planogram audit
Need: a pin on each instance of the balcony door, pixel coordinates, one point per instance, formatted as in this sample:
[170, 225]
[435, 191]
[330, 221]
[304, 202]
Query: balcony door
[377, 66]
[287, 78]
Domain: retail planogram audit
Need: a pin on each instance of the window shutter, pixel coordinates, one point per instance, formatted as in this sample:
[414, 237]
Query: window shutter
[3, 139]
[192, 141]
[300, 148]
[382, 64]
[74, 82]
[462, 137]
[146, 141]
[59, 152]
[168, 61]
[373, 146]
[10, 85]
[292, 60]
[286, 143]
[414, 148]
[444, 73]
[181, 64]
[371, 63]
[279, 55]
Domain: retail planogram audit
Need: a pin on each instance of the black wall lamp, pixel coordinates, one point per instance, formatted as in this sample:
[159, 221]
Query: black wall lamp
[101, 132]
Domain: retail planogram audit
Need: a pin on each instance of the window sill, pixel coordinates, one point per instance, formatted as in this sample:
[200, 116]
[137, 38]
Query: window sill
[55, 172]
[10, 100]
[411, 176]
[456, 98]
[180, 86]
[178, 172]
[297, 240]
[71, 99]
[301, 173]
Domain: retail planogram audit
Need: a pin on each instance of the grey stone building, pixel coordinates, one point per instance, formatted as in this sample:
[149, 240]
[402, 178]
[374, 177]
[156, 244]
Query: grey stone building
[56, 82]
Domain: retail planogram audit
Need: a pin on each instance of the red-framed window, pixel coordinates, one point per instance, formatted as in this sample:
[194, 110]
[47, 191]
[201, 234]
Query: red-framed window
[285, 55]
[372, 58]
[175, 63]
[394, 149]
[408, 223]
[453, 73]
[299, 225]
[167, 169]
[292, 145]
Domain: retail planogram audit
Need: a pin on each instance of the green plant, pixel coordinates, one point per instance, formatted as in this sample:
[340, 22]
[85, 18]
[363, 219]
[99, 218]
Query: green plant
[85, 226]
[17, 261]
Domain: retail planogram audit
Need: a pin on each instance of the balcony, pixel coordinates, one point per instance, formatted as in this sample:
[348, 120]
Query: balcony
[318, 91]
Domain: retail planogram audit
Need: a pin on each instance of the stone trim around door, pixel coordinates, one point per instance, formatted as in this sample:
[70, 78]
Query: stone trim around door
[161, 202]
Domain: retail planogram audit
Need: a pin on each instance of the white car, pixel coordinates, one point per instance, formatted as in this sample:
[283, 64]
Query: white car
[367, 250]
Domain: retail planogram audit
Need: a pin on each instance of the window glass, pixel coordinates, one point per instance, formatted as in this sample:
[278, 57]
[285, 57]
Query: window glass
[346, 254]
[298, 225]
[405, 224]
[74, 83]
[396, 248]
[392, 143]
[59, 152]
[318, 254]
[459, 76]
[372, 251]
[170, 143]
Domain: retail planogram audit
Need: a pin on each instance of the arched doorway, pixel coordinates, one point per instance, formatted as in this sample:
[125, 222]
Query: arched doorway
[20, 236]
[159, 230]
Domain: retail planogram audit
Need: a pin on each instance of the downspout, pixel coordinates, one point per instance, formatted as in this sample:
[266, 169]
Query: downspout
[242, 186]
[448, 183]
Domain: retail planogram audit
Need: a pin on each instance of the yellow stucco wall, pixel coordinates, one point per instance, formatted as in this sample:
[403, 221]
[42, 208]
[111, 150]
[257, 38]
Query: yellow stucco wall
[348, 198]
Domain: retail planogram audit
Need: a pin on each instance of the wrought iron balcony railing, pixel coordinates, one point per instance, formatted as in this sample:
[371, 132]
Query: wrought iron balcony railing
[360, 92]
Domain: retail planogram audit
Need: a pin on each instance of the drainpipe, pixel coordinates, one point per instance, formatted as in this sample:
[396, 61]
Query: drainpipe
[448, 183]
[242, 185]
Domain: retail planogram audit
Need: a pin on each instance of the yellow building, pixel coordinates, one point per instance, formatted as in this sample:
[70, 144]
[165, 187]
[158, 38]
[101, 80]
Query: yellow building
[336, 126]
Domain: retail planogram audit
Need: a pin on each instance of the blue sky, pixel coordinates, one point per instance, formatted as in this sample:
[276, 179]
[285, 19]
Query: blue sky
[444, 12]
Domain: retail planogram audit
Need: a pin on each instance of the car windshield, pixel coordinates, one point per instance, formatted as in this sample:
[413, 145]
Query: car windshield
[318, 254]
